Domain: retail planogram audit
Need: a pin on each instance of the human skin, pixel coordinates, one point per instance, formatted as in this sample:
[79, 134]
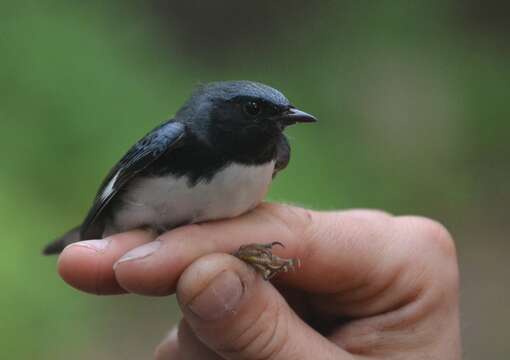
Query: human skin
[370, 285]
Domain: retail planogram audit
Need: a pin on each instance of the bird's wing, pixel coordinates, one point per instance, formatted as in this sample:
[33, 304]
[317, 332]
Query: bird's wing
[159, 141]
[282, 155]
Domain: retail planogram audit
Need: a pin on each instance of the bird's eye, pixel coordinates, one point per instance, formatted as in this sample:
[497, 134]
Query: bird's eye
[252, 108]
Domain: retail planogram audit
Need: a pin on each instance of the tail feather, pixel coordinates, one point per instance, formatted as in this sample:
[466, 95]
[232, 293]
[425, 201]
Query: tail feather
[56, 247]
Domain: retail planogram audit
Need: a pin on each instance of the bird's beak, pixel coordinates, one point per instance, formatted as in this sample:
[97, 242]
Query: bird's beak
[293, 116]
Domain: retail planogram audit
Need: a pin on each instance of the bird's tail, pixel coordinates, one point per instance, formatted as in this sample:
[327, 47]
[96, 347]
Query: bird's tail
[56, 246]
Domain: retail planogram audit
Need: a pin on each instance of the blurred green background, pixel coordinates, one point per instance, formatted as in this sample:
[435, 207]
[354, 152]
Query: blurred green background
[413, 98]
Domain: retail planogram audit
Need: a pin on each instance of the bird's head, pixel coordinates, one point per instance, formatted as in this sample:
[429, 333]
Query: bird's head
[241, 114]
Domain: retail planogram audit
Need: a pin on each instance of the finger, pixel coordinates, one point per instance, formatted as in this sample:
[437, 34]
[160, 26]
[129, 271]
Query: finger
[88, 265]
[240, 316]
[181, 343]
[338, 251]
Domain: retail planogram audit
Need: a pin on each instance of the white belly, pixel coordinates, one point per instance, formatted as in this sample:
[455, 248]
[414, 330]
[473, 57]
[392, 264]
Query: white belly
[166, 202]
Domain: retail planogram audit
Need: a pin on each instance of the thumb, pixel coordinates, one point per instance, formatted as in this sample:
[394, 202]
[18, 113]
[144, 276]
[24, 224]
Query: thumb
[238, 315]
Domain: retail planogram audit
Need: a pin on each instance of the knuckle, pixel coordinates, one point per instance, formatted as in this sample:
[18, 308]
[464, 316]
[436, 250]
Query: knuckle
[434, 247]
[435, 235]
[429, 235]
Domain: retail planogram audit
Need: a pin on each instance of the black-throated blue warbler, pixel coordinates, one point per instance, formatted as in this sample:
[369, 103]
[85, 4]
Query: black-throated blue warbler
[215, 159]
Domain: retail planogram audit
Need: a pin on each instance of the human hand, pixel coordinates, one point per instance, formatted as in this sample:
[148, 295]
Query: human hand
[370, 285]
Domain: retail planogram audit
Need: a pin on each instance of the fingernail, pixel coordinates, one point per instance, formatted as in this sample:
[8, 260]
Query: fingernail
[139, 252]
[220, 298]
[96, 245]
[172, 334]
[168, 346]
[170, 337]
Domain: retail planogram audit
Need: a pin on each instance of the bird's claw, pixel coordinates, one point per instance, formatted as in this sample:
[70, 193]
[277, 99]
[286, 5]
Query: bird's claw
[262, 259]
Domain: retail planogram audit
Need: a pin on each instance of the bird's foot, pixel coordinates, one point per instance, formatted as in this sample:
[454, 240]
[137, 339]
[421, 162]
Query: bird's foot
[262, 259]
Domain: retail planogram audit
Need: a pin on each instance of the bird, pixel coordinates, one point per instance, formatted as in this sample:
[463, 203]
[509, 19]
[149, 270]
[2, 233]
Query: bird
[215, 159]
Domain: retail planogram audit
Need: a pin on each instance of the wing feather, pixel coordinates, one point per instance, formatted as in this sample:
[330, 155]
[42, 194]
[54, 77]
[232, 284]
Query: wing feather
[159, 141]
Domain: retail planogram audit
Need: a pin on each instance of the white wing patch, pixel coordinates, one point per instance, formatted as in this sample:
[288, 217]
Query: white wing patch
[110, 187]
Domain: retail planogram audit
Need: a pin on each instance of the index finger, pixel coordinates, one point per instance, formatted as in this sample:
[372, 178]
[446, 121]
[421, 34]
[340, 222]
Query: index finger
[338, 251]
